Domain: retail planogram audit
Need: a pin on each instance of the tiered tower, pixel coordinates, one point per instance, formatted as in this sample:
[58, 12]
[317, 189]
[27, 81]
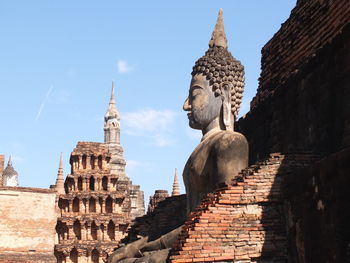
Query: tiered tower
[176, 186]
[99, 200]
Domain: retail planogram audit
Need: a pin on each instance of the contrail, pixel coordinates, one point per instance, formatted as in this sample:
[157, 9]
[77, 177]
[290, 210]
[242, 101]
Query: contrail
[43, 103]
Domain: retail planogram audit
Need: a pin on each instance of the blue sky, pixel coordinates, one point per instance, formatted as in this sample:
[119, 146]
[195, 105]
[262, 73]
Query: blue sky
[58, 59]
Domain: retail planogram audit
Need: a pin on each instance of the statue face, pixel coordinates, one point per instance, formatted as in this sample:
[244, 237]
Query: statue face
[202, 105]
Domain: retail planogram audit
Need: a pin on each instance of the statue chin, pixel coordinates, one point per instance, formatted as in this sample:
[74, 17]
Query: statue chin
[194, 125]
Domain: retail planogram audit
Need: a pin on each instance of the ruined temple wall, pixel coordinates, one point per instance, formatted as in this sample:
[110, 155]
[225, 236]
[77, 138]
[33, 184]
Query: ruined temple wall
[311, 25]
[303, 106]
[2, 163]
[307, 110]
[27, 224]
[169, 214]
[317, 203]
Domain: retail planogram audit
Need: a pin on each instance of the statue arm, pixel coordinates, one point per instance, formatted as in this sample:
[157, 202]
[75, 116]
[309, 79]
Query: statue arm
[128, 251]
[165, 241]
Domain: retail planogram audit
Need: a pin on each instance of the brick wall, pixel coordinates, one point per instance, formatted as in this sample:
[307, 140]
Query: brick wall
[311, 25]
[2, 163]
[309, 111]
[303, 106]
[317, 202]
[233, 223]
[27, 224]
[244, 221]
[166, 216]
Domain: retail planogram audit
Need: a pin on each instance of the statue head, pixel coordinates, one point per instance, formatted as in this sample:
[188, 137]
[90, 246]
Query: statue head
[217, 85]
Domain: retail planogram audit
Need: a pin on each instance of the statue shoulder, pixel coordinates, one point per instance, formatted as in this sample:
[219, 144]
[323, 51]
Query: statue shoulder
[231, 141]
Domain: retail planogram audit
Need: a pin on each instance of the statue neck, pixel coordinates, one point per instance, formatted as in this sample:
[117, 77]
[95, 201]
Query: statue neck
[213, 127]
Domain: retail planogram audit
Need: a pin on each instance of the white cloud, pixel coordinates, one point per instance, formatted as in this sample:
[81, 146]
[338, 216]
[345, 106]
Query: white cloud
[157, 125]
[42, 105]
[123, 66]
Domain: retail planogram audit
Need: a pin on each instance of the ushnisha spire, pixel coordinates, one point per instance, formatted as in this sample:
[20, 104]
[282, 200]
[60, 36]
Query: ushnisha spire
[218, 37]
[60, 178]
[223, 71]
[176, 187]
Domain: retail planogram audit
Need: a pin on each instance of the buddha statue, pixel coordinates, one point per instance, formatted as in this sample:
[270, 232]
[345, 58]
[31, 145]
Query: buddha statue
[213, 102]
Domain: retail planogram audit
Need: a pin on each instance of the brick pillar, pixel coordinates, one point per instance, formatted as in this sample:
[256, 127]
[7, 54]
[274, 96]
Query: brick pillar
[86, 184]
[96, 162]
[69, 232]
[88, 162]
[88, 232]
[75, 185]
[74, 164]
[80, 162]
[98, 184]
[103, 164]
[65, 235]
[70, 206]
[88, 257]
[81, 206]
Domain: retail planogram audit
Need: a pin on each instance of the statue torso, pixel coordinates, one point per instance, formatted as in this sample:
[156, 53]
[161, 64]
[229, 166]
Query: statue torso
[217, 159]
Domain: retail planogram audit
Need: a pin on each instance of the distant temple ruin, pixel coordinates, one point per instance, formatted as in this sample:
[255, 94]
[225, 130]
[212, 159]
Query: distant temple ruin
[97, 200]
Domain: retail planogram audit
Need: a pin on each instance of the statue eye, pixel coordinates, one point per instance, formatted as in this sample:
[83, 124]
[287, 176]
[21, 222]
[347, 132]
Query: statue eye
[196, 91]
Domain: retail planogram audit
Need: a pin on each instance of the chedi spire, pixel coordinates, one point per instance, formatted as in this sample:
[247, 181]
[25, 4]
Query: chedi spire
[10, 176]
[112, 121]
[112, 111]
[60, 178]
[176, 187]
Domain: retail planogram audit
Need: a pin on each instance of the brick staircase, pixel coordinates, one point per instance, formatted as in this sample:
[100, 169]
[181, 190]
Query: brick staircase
[242, 222]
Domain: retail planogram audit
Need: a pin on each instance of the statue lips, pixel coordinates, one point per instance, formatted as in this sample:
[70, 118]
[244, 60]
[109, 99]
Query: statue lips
[189, 115]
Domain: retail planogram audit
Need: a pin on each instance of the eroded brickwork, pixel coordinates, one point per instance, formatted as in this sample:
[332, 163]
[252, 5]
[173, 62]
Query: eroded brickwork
[96, 210]
[169, 214]
[159, 195]
[242, 222]
[311, 25]
[309, 111]
[27, 224]
[303, 106]
[2, 163]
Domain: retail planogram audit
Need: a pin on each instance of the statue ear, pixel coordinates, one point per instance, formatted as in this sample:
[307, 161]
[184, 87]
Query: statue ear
[226, 104]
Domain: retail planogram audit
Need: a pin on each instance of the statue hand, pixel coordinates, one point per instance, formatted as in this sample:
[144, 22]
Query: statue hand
[128, 251]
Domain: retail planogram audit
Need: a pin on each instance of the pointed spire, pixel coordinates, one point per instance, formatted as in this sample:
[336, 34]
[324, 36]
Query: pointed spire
[112, 111]
[218, 37]
[9, 163]
[176, 187]
[112, 99]
[60, 178]
[10, 175]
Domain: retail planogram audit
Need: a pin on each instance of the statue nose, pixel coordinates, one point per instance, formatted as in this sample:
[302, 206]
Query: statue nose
[186, 106]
